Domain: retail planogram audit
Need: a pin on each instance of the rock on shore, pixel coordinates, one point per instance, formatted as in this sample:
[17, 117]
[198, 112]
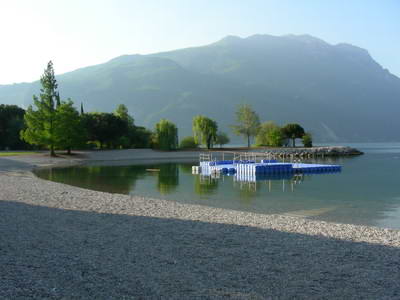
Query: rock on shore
[317, 151]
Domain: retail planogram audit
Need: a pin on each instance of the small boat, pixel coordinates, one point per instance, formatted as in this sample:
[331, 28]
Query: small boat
[153, 170]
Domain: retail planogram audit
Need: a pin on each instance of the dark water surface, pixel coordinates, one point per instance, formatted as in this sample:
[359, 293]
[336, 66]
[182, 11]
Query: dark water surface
[367, 191]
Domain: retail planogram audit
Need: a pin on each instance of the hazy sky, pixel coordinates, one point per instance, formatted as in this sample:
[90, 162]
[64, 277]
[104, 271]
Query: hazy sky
[78, 33]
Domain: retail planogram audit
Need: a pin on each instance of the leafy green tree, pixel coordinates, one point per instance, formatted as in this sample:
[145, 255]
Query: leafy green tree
[262, 133]
[69, 129]
[307, 140]
[275, 137]
[165, 135]
[127, 140]
[293, 131]
[122, 112]
[247, 122]
[142, 137]
[105, 128]
[204, 131]
[188, 143]
[11, 123]
[269, 134]
[40, 123]
[222, 139]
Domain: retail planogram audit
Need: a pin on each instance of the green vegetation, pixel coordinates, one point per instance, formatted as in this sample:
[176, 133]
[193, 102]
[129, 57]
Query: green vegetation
[307, 140]
[56, 124]
[188, 143]
[269, 134]
[293, 131]
[42, 123]
[17, 153]
[222, 139]
[105, 129]
[69, 130]
[165, 135]
[247, 121]
[275, 137]
[177, 85]
[11, 123]
[204, 131]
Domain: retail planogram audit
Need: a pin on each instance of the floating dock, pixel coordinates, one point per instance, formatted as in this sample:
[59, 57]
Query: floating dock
[265, 167]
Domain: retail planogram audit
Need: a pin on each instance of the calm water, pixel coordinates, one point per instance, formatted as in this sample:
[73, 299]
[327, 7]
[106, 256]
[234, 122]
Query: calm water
[367, 191]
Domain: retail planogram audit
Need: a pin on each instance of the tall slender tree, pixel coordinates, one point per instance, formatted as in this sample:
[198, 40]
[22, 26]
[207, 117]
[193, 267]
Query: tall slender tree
[41, 122]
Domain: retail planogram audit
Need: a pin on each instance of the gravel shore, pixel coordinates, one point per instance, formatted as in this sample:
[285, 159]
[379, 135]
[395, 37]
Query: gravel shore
[63, 242]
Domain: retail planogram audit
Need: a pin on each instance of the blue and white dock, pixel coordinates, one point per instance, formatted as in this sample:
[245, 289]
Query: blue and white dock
[263, 167]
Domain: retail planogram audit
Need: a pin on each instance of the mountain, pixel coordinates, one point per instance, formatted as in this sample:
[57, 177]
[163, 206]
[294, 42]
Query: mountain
[337, 92]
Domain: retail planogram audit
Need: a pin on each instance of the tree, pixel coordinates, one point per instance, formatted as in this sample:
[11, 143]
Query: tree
[204, 130]
[275, 137]
[69, 130]
[269, 134]
[122, 112]
[188, 143]
[41, 122]
[165, 135]
[293, 131]
[11, 123]
[307, 140]
[128, 139]
[142, 137]
[222, 139]
[247, 122]
[105, 128]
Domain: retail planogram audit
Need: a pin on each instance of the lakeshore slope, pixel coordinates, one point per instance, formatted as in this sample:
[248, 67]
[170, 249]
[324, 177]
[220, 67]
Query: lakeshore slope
[59, 241]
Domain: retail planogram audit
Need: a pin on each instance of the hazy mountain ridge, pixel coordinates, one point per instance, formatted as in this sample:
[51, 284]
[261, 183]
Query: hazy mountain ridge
[336, 91]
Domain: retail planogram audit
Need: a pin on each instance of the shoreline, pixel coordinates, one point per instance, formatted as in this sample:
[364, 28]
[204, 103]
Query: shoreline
[63, 241]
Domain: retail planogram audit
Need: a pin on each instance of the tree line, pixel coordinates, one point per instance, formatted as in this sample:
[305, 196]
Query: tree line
[57, 124]
[248, 125]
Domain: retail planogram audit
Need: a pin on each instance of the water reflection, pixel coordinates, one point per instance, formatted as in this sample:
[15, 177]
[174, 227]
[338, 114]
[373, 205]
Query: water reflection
[100, 178]
[366, 192]
[168, 178]
[205, 185]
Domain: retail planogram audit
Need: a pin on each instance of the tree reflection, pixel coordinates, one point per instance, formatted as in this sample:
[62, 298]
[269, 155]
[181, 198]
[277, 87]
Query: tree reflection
[186, 168]
[168, 178]
[112, 179]
[205, 185]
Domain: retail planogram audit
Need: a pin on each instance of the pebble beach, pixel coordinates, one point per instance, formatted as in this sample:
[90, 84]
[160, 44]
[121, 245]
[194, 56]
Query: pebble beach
[64, 242]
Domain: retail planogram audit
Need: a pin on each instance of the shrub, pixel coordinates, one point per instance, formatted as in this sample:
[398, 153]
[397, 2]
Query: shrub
[307, 140]
[188, 143]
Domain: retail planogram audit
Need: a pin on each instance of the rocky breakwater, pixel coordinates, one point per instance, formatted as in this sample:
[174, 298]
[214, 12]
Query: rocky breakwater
[315, 151]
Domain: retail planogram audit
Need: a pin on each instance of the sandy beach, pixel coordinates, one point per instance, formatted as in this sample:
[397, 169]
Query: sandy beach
[64, 242]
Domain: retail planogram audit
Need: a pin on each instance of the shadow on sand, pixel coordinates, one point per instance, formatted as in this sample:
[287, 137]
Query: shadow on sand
[55, 253]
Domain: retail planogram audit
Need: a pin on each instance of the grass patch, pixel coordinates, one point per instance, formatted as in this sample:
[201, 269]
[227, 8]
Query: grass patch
[16, 153]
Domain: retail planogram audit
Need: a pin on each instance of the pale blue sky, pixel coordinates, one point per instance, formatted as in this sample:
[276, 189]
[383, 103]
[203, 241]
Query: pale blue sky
[76, 33]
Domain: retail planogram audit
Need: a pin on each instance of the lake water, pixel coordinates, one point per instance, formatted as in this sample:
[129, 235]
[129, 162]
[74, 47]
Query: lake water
[367, 191]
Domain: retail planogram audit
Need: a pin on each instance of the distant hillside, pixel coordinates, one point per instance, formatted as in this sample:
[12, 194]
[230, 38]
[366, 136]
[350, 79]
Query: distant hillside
[338, 92]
